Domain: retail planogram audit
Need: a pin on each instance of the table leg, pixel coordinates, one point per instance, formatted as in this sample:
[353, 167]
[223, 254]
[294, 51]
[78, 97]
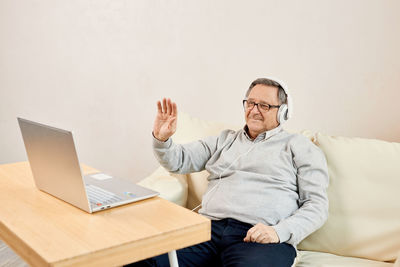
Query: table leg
[173, 259]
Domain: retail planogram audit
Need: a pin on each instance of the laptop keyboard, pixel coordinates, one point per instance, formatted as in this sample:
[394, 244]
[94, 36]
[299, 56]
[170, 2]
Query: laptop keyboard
[99, 197]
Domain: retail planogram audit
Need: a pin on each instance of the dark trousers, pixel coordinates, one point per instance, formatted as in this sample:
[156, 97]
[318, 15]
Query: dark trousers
[227, 248]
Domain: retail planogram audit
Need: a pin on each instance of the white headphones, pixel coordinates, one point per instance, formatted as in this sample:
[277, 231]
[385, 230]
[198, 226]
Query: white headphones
[285, 110]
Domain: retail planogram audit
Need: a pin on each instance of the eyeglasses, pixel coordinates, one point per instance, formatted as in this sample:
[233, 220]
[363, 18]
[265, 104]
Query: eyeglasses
[261, 106]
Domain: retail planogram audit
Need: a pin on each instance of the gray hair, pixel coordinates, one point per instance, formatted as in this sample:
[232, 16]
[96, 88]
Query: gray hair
[281, 92]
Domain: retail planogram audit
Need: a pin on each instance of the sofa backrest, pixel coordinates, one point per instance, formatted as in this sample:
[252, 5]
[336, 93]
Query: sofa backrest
[364, 199]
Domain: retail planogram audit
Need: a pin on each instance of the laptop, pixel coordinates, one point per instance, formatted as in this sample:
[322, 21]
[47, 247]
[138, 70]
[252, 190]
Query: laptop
[56, 170]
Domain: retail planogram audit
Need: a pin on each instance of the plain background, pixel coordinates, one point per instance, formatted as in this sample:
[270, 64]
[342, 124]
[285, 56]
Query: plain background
[98, 67]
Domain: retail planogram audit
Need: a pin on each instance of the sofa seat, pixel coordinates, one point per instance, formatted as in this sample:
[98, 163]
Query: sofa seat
[320, 259]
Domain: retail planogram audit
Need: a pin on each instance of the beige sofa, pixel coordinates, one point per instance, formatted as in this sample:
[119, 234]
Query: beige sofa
[363, 228]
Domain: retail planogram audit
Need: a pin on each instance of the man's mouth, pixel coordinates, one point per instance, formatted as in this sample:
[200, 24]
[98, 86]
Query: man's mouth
[256, 119]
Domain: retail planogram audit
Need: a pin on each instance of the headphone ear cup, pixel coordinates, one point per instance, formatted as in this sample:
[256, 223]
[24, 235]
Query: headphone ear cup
[282, 115]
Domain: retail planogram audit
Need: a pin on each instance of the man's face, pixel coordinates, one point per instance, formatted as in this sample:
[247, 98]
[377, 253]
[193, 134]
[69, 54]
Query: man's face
[260, 121]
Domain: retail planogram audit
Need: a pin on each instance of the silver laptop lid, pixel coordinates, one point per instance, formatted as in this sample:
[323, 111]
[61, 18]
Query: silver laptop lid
[54, 162]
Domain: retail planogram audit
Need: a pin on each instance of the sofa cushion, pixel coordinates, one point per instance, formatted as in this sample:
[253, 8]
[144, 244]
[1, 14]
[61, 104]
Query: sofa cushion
[320, 259]
[172, 187]
[364, 199]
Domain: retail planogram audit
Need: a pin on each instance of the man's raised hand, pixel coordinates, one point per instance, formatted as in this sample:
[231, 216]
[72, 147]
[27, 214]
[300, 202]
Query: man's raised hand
[166, 119]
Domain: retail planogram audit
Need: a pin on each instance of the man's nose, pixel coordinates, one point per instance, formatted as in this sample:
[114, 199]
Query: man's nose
[255, 109]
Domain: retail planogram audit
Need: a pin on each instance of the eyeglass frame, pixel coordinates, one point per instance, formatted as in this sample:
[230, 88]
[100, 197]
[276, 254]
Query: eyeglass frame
[259, 105]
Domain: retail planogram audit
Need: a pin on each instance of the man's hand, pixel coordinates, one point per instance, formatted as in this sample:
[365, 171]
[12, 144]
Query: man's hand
[261, 233]
[166, 119]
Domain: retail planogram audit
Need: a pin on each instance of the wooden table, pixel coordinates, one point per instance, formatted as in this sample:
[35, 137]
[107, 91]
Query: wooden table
[46, 231]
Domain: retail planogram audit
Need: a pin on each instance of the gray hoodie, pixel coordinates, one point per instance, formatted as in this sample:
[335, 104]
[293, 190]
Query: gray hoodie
[278, 179]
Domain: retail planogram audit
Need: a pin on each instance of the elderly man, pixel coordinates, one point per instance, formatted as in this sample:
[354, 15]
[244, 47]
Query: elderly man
[267, 187]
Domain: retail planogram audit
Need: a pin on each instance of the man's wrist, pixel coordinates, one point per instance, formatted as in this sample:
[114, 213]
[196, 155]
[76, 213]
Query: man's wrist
[159, 138]
[282, 232]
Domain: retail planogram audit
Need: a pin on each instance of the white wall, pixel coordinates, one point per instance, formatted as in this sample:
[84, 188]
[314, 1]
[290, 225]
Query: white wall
[98, 68]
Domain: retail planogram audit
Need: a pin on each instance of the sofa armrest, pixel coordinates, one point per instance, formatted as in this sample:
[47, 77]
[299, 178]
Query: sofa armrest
[172, 187]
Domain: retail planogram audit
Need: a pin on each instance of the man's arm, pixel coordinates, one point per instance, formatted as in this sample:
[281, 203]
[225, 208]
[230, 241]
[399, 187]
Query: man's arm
[312, 181]
[186, 158]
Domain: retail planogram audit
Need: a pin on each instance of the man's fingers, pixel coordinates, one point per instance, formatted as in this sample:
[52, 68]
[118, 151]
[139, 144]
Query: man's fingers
[255, 236]
[263, 238]
[169, 108]
[164, 106]
[247, 237]
[250, 232]
[174, 109]
[159, 108]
